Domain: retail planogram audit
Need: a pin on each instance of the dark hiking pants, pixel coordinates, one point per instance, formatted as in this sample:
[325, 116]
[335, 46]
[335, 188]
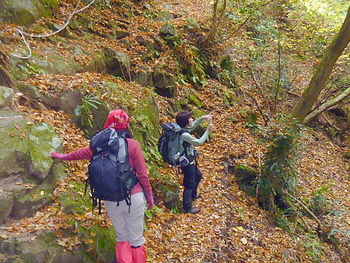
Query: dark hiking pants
[192, 178]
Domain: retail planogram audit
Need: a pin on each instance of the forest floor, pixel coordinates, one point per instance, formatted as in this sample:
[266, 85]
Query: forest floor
[231, 227]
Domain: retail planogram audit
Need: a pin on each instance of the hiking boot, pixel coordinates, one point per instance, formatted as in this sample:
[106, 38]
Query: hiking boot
[193, 210]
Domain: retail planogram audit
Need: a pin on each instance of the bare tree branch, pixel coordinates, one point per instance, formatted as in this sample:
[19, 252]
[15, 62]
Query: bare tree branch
[313, 115]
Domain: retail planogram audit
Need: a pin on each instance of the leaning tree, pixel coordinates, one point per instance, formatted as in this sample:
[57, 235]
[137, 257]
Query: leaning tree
[321, 75]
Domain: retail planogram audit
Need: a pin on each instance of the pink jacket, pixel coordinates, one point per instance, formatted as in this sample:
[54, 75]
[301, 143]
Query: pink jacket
[136, 159]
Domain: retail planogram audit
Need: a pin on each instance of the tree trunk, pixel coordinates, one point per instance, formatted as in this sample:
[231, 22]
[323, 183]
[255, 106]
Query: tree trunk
[323, 71]
[216, 20]
[313, 115]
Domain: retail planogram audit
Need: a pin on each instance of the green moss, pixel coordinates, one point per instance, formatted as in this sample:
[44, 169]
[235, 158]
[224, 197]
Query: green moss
[22, 17]
[244, 172]
[146, 127]
[42, 141]
[39, 65]
[103, 238]
[193, 99]
[75, 199]
[48, 7]
[346, 155]
[39, 194]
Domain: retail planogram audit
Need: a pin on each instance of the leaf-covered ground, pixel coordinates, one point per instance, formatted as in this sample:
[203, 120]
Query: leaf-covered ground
[231, 227]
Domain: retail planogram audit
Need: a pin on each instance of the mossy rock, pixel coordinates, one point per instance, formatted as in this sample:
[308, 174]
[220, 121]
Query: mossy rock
[52, 63]
[5, 78]
[346, 155]
[26, 12]
[191, 101]
[27, 160]
[76, 202]
[42, 140]
[244, 173]
[164, 16]
[143, 77]
[117, 63]
[28, 202]
[42, 248]
[165, 84]
[146, 127]
[246, 179]
[170, 194]
[97, 64]
[193, 98]
[6, 95]
[168, 31]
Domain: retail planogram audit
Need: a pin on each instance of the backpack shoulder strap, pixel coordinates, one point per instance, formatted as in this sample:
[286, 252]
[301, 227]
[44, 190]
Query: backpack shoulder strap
[184, 144]
[123, 153]
[183, 131]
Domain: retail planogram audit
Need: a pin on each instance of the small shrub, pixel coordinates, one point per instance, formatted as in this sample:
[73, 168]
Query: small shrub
[84, 111]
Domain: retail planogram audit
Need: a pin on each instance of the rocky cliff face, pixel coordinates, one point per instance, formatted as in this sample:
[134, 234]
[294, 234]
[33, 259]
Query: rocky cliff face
[26, 166]
[28, 175]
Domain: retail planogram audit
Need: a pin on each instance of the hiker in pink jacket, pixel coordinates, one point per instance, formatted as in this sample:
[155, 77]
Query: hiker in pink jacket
[127, 221]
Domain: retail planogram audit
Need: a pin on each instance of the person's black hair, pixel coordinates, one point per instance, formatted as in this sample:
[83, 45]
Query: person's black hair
[182, 118]
[129, 133]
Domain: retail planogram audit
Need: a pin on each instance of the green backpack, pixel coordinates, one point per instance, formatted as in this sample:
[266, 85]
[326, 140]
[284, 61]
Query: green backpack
[169, 143]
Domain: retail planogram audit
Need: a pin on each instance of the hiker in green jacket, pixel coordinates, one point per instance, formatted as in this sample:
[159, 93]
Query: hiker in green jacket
[189, 167]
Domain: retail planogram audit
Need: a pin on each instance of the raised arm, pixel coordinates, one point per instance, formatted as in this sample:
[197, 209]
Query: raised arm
[193, 140]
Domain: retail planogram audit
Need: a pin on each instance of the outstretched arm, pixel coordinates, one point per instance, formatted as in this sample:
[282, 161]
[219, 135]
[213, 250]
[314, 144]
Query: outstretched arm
[83, 153]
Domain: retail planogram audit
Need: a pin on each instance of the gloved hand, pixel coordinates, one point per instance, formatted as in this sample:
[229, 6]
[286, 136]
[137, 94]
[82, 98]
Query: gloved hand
[150, 202]
[60, 156]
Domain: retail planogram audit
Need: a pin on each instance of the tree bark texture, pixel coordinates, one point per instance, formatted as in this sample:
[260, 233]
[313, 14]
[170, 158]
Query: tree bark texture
[216, 20]
[323, 71]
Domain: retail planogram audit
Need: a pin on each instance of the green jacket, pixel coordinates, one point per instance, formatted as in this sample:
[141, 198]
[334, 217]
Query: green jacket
[193, 141]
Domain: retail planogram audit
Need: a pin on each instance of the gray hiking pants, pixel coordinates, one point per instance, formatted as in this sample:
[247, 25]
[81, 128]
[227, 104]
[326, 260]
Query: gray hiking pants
[129, 224]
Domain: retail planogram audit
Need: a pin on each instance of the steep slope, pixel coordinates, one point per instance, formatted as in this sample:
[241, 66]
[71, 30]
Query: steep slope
[231, 227]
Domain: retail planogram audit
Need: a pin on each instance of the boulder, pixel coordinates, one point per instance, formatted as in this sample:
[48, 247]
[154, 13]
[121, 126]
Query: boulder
[50, 63]
[246, 178]
[26, 12]
[27, 172]
[164, 84]
[118, 63]
[6, 95]
[144, 78]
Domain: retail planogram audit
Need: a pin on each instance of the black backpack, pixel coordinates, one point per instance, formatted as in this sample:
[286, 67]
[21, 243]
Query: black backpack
[111, 177]
[169, 143]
